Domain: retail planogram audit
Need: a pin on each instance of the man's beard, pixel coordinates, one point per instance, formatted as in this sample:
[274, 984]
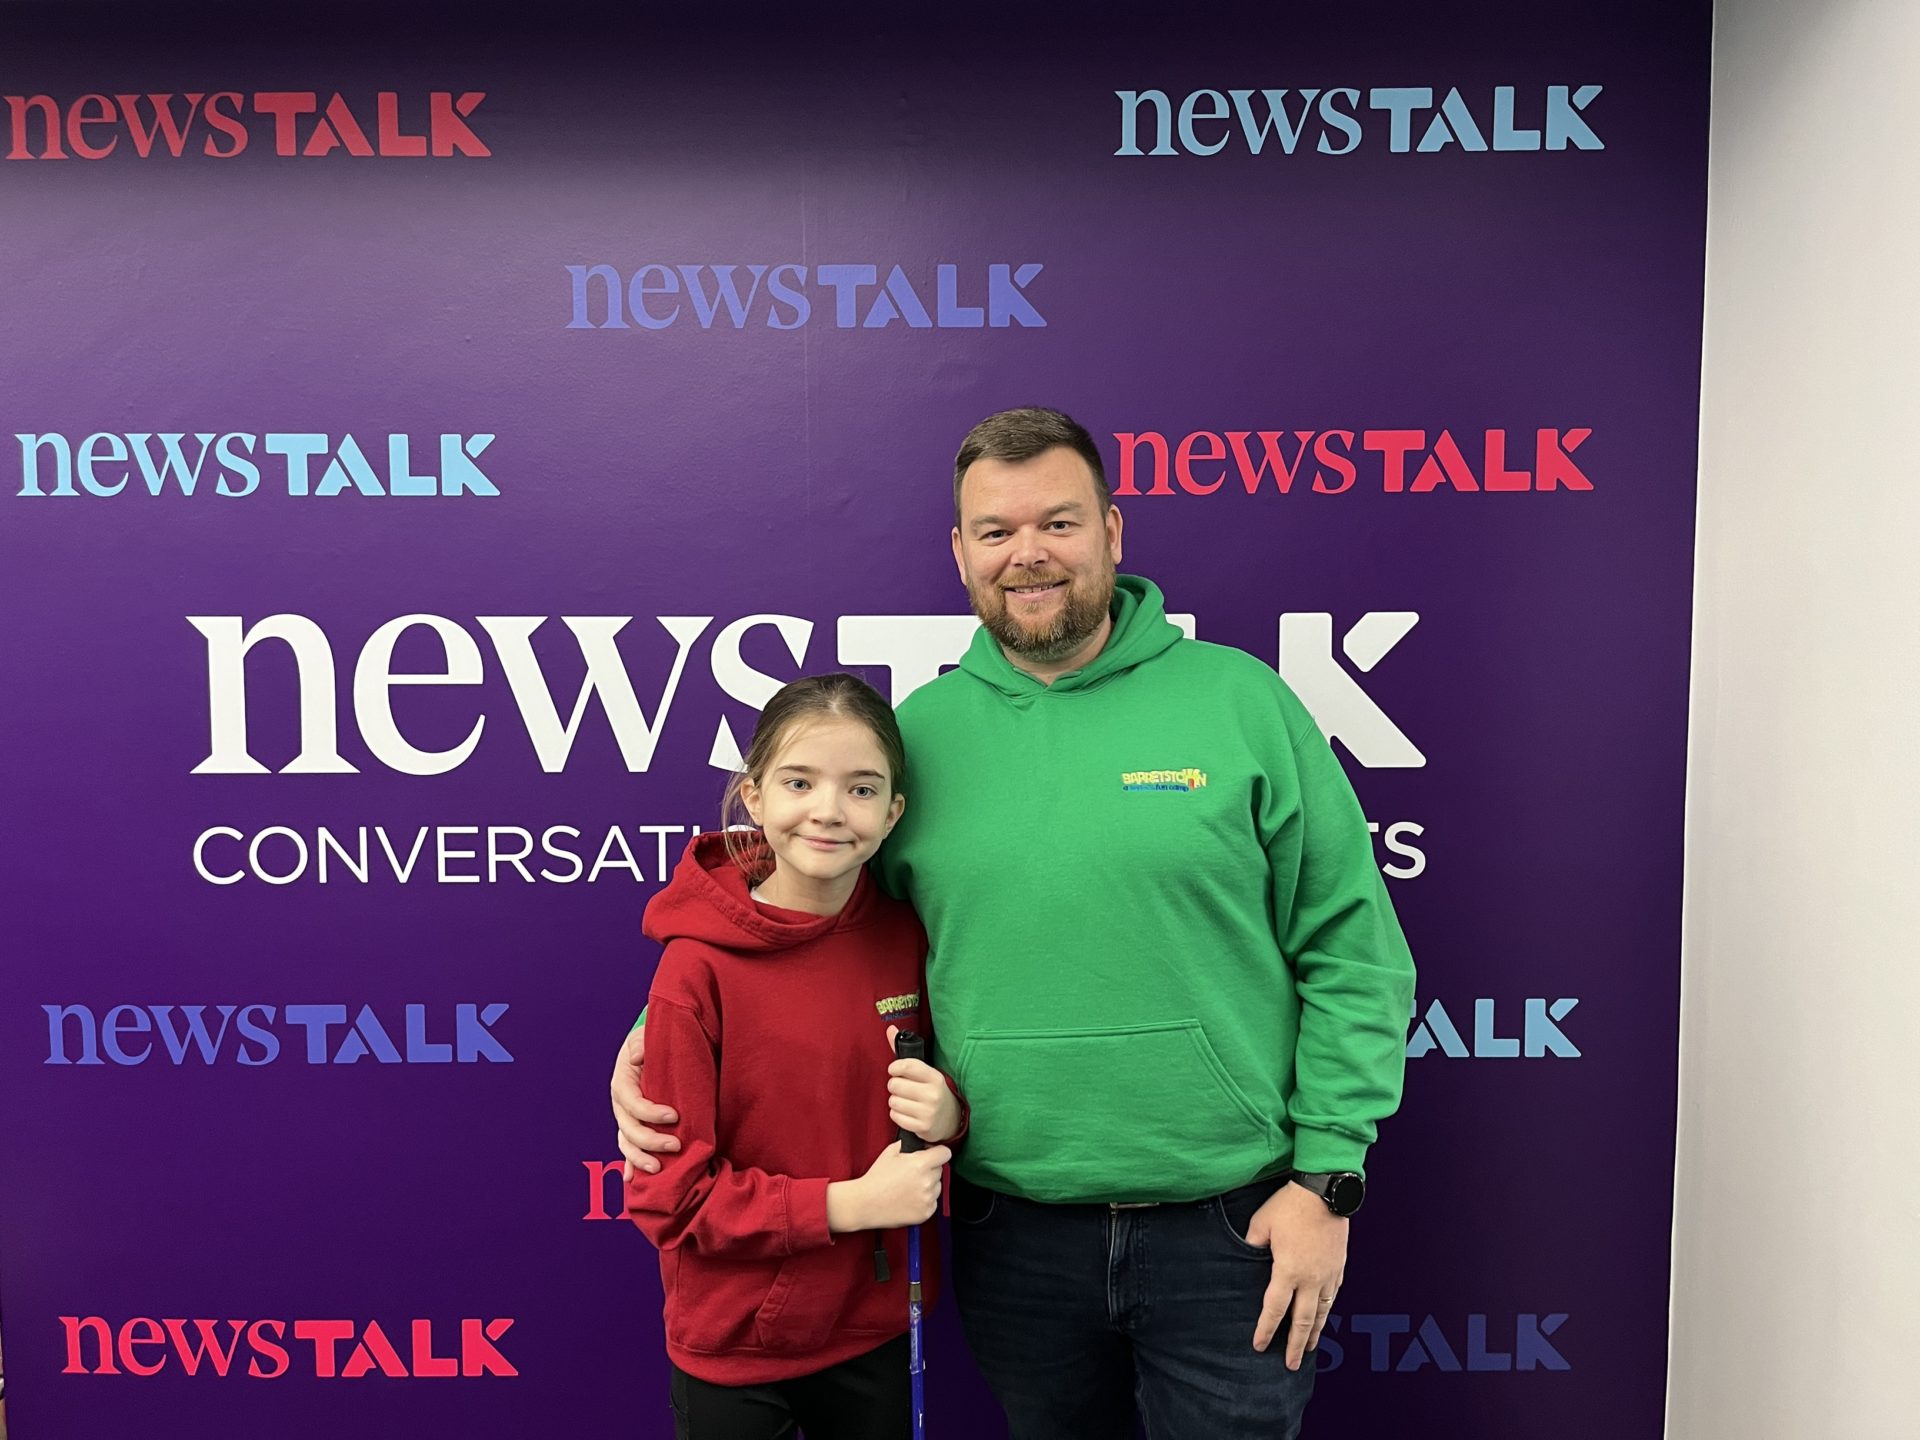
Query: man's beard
[1087, 605]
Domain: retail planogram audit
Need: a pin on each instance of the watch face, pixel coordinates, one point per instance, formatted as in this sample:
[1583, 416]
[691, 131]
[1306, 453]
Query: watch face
[1344, 1194]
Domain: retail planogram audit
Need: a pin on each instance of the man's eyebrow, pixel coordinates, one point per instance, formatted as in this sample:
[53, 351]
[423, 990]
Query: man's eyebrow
[1066, 507]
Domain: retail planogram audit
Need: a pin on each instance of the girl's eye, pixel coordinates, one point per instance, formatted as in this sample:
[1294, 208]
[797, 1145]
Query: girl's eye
[796, 784]
[865, 792]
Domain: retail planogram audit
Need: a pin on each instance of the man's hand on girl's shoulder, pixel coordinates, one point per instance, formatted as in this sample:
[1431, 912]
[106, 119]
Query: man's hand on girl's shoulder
[635, 1114]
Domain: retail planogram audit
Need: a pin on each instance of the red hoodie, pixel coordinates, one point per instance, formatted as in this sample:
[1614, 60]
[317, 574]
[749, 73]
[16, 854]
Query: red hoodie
[767, 1031]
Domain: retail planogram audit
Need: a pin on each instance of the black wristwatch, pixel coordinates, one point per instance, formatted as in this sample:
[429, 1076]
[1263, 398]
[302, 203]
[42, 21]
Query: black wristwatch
[1343, 1190]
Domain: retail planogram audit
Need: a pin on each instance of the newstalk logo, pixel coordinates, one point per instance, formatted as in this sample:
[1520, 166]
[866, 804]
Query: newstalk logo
[1339, 120]
[784, 296]
[271, 1349]
[236, 463]
[1480, 1343]
[1333, 462]
[606, 1190]
[257, 1035]
[225, 123]
[912, 647]
[1539, 1037]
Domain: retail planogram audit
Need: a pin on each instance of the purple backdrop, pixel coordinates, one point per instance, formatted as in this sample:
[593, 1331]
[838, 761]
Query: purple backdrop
[1445, 243]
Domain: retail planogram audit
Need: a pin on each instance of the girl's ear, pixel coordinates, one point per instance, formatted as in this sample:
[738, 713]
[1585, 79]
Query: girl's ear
[893, 811]
[750, 797]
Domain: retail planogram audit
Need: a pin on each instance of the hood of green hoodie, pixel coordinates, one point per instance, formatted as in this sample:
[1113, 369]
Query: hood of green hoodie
[1141, 631]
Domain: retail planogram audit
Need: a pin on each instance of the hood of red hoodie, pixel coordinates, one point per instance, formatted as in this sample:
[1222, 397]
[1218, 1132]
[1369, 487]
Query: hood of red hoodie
[708, 900]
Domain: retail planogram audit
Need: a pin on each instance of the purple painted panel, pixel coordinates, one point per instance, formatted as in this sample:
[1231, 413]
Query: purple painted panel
[1425, 364]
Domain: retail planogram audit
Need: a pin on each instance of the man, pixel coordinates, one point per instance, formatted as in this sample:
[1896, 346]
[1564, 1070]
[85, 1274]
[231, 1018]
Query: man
[1164, 969]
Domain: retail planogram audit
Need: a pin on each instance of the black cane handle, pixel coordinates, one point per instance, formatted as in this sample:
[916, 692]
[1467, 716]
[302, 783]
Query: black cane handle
[910, 1045]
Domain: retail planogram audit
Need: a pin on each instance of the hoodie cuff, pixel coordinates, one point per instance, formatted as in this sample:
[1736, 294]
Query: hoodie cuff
[966, 1112]
[1322, 1152]
[807, 1216]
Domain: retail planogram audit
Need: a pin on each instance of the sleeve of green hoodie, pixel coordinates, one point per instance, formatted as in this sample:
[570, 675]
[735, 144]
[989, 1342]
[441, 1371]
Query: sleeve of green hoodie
[1351, 965]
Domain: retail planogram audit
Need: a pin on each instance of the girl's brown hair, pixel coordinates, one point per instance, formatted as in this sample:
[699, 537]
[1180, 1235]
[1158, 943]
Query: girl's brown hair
[812, 697]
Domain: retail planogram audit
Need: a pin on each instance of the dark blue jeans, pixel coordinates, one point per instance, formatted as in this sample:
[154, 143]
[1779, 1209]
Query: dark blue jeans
[1076, 1314]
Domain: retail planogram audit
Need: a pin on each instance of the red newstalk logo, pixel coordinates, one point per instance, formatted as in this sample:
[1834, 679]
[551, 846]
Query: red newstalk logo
[217, 123]
[1332, 462]
[606, 1190]
[261, 1349]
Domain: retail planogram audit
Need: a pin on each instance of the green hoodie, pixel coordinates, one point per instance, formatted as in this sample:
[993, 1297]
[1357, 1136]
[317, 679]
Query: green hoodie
[1162, 960]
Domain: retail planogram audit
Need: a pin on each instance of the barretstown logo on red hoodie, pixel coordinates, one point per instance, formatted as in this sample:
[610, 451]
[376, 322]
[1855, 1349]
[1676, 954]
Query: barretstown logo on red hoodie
[225, 123]
[145, 1346]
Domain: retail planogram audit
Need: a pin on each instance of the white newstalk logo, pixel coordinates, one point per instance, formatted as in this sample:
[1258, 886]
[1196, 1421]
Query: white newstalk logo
[913, 649]
[1343, 710]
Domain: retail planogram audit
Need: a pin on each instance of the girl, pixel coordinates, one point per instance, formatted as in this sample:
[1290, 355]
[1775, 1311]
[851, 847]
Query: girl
[780, 1221]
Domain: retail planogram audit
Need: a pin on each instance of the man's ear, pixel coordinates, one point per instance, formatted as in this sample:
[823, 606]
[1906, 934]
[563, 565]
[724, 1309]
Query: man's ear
[1113, 532]
[959, 556]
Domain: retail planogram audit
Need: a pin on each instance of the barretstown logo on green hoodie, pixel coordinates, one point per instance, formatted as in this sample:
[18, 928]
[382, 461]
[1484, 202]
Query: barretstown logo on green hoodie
[1188, 779]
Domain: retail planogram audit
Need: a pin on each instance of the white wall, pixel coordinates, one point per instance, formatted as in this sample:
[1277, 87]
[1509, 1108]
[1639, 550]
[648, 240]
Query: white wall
[1797, 1216]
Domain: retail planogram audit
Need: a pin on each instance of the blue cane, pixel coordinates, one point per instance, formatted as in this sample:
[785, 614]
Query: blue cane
[907, 1045]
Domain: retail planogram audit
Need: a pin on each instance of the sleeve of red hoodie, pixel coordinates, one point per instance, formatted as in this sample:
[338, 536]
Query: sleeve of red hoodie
[699, 1198]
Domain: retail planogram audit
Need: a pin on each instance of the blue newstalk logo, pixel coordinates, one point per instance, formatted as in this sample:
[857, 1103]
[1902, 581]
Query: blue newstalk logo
[787, 296]
[1479, 1343]
[235, 463]
[1340, 119]
[254, 1035]
[1539, 1036]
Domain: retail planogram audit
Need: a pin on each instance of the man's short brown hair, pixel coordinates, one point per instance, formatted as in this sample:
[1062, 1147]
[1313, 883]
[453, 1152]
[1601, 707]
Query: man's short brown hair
[1016, 435]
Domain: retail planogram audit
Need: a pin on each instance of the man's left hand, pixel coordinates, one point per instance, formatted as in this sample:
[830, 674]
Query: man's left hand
[919, 1100]
[1309, 1245]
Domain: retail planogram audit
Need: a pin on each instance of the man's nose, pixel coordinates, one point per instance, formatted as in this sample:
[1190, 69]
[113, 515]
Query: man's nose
[1030, 549]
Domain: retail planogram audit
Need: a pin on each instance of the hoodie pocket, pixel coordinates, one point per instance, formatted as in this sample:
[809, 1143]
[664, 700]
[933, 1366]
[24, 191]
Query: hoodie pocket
[1101, 1113]
[713, 1303]
[800, 1312]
